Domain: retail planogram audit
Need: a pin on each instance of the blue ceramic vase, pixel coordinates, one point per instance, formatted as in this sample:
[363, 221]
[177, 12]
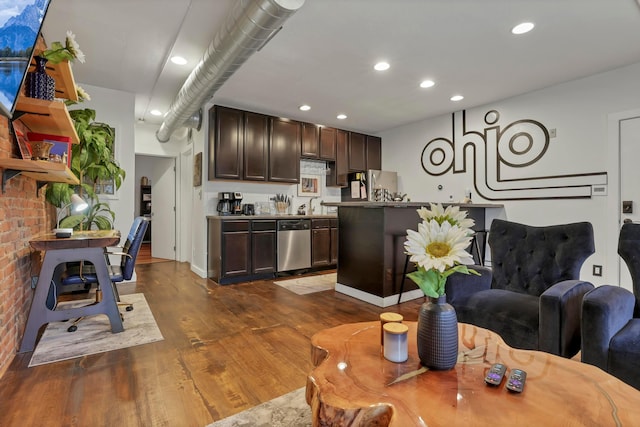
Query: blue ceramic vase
[437, 339]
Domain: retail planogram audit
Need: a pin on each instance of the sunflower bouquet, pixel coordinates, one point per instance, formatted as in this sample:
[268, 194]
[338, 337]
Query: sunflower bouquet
[438, 247]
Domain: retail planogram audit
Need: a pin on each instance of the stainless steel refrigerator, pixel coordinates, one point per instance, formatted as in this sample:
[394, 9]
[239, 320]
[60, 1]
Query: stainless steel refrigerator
[372, 185]
[381, 184]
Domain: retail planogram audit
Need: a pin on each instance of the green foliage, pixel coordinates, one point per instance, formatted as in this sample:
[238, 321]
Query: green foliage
[92, 159]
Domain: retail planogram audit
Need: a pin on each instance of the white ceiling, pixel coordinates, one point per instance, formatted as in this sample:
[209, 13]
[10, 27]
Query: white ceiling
[325, 53]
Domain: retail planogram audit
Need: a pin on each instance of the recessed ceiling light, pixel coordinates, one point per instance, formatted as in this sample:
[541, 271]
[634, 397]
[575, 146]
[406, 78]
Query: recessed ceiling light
[304, 107]
[457, 98]
[156, 112]
[427, 83]
[381, 66]
[341, 116]
[179, 60]
[525, 27]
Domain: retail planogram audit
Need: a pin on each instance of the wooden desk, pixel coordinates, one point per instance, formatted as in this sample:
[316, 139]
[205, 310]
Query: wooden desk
[353, 384]
[83, 245]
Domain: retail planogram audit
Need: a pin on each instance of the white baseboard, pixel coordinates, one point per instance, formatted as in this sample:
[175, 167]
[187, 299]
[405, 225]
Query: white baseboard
[377, 300]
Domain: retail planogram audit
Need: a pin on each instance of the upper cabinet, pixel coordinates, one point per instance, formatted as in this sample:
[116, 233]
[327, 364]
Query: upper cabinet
[310, 147]
[227, 142]
[284, 151]
[357, 152]
[328, 143]
[239, 142]
[374, 152]
[255, 147]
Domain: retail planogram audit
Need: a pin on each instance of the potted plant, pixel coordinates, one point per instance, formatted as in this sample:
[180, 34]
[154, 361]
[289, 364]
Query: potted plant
[91, 160]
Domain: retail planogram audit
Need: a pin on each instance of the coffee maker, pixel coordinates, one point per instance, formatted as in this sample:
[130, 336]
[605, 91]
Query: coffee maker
[236, 203]
[225, 203]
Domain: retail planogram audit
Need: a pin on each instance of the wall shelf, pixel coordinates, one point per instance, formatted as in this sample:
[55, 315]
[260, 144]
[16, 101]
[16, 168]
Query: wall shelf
[50, 117]
[44, 116]
[41, 170]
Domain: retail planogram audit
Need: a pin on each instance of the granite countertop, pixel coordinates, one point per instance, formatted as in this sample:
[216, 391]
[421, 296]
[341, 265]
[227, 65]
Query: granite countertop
[365, 204]
[284, 216]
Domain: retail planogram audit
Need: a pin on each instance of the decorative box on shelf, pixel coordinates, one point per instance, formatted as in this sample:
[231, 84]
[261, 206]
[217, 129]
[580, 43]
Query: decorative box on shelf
[61, 150]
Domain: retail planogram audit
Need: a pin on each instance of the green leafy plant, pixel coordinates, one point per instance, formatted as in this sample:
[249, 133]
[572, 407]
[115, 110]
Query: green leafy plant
[91, 160]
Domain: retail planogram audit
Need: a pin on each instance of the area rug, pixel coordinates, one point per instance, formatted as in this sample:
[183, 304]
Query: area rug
[94, 333]
[289, 410]
[309, 284]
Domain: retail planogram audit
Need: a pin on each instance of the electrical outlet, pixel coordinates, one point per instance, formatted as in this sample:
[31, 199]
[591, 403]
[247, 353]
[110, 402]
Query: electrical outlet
[597, 270]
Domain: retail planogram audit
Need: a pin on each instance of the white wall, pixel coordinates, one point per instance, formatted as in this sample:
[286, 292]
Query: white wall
[578, 110]
[116, 108]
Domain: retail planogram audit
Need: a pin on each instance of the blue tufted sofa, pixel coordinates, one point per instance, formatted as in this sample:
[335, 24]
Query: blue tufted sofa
[531, 296]
[611, 318]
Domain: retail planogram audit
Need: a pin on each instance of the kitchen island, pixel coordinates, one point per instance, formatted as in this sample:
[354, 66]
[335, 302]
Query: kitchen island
[371, 254]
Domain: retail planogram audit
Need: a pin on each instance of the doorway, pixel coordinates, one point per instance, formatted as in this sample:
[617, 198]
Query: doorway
[158, 202]
[624, 144]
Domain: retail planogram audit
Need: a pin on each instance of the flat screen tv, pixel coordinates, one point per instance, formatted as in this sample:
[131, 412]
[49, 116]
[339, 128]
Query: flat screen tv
[20, 23]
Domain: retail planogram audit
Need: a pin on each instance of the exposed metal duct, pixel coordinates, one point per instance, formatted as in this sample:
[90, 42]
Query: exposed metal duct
[249, 26]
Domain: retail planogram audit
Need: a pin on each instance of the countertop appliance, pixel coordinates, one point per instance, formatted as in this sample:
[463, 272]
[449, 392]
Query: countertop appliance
[294, 244]
[236, 203]
[224, 203]
[248, 209]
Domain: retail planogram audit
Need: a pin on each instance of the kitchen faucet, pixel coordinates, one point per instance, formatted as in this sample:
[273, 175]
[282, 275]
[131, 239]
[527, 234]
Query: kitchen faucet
[311, 205]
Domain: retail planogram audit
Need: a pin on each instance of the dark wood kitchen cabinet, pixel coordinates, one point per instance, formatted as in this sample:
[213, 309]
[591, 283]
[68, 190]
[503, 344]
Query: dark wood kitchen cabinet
[339, 169]
[256, 146]
[226, 143]
[327, 143]
[374, 152]
[310, 147]
[239, 144]
[236, 245]
[357, 152]
[241, 249]
[320, 242]
[263, 246]
[334, 241]
[284, 151]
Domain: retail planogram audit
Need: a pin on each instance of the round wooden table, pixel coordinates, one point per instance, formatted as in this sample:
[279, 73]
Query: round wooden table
[353, 384]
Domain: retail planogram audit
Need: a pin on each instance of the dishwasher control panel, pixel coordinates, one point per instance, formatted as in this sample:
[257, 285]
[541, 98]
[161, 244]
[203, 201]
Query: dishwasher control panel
[294, 224]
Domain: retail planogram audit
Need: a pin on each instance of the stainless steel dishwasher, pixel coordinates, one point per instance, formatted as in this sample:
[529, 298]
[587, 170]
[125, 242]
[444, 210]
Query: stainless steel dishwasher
[294, 244]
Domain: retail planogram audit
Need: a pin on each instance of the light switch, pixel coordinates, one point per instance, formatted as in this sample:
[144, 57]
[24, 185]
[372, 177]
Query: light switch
[627, 206]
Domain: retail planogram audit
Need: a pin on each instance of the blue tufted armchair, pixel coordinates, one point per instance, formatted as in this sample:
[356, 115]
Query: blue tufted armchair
[611, 318]
[531, 296]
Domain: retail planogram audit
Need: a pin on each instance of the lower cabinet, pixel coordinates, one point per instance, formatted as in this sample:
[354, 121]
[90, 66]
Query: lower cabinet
[236, 243]
[263, 246]
[324, 242]
[334, 241]
[242, 249]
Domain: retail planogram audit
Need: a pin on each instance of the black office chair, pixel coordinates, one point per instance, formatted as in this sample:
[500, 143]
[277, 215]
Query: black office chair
[83, 274]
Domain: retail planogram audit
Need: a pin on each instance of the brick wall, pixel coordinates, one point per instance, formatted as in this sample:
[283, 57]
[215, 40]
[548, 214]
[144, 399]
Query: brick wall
[23, 215]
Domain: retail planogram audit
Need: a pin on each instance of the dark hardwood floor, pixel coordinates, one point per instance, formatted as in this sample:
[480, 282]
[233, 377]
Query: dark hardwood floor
[225, 349]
